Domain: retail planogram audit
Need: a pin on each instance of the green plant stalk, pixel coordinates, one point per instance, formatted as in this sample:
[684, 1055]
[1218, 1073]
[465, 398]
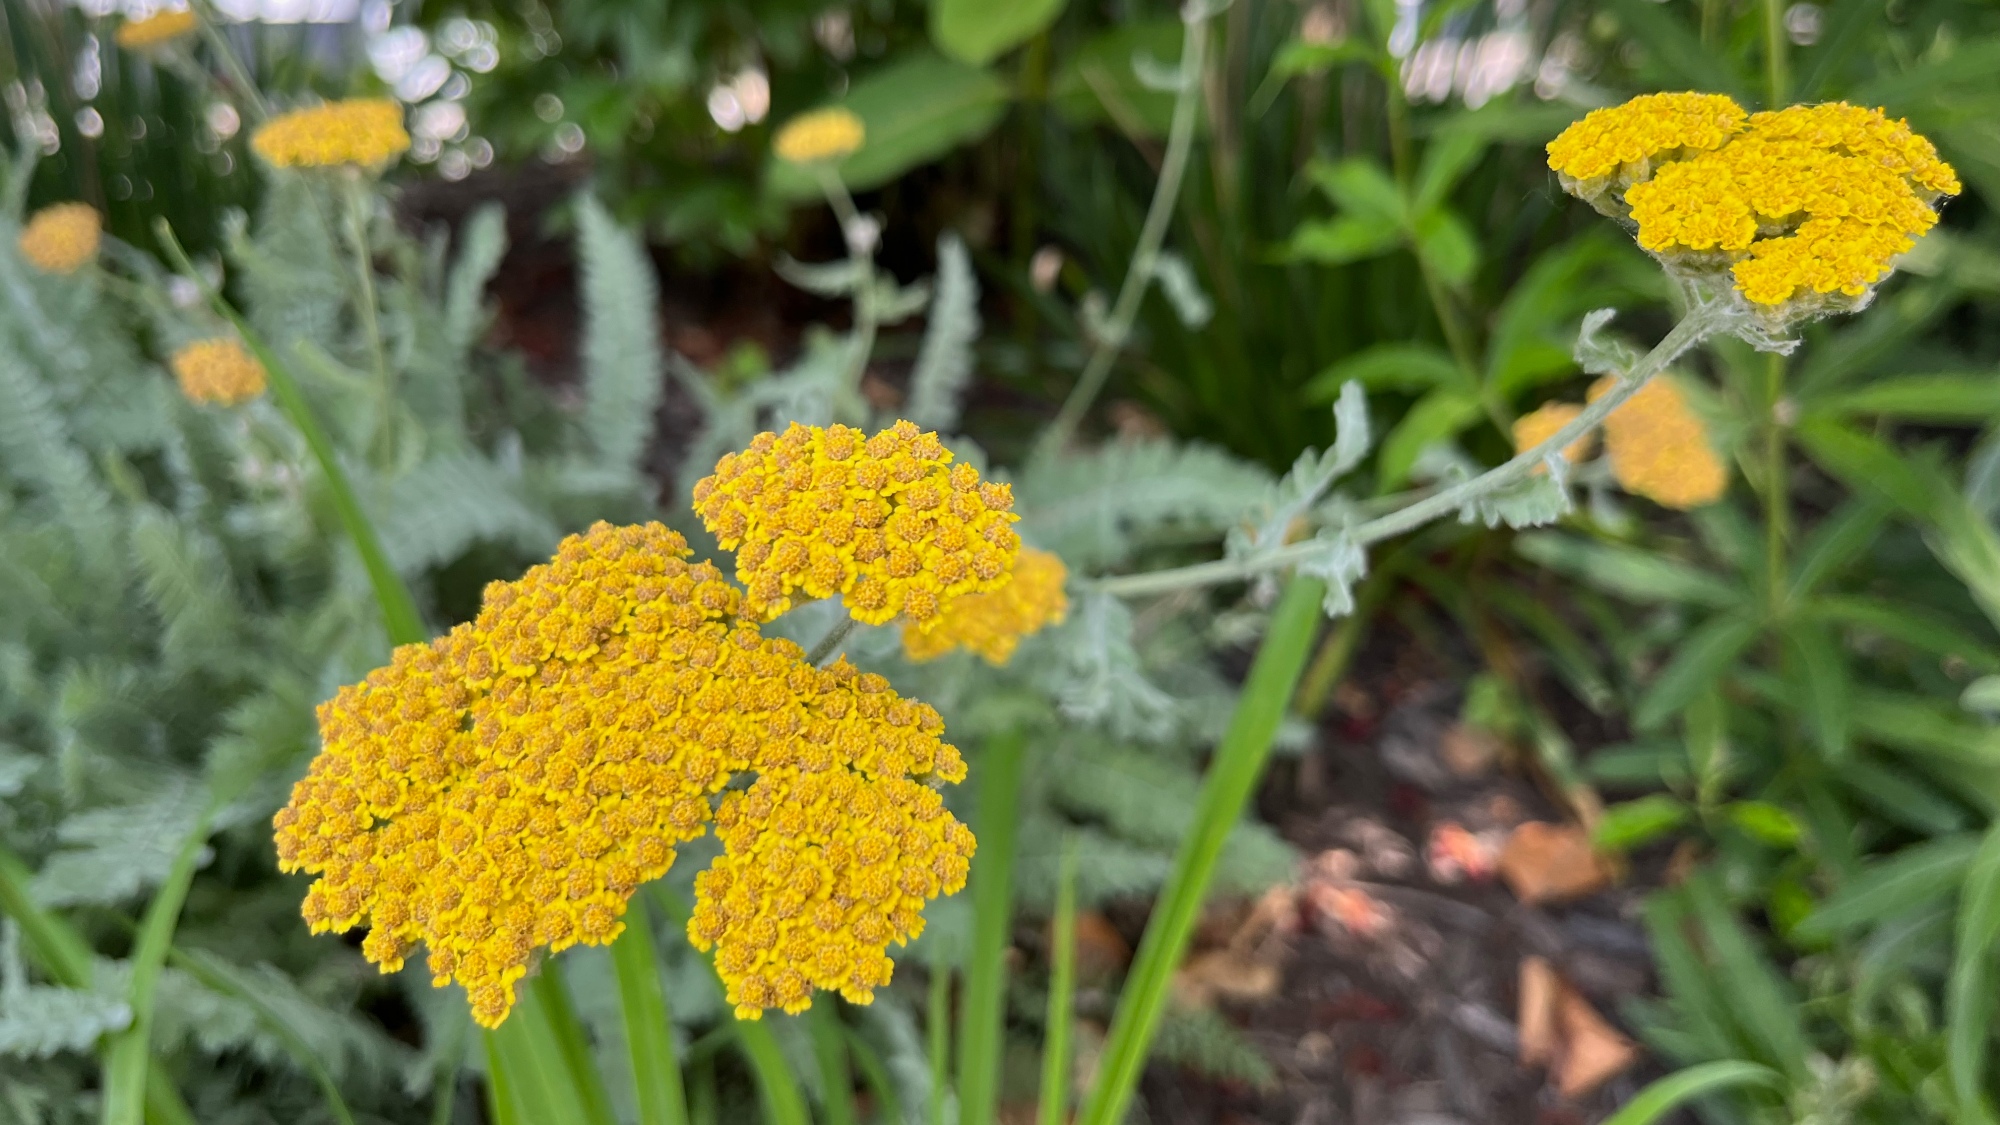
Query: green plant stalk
[354, 195]
[211, 32]
[547, 991]
[197, 966]
[127, 1061]
[1117, 326]
[1062, 994]
[982, 1011]
[938, 1024]
[861, 256]
[830, 1052]
[501, 1104]
[783, 1104]
[1329, 664]
[642, 1001]
[1692, 329]
[1239, 762]
[1777, 491]
[876, 1073]
[1777, 76]
[827, 644]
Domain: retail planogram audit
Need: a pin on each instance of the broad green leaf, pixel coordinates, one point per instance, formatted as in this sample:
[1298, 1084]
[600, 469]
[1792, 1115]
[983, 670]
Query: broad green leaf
[1766, 822]
[1341, 240]
[1895, 886]
[1387, 367]
[1096, 82]
[1982, 695]
[1704, 656]
[1627, 572]
[1663, 1095]
[1446, 160]
[1446, 244]
[1436, 416]
[915, 110]
[1819, 668]
[1634, 823]
[1969, 992]
[1972, 396]
[1361, 188]
[979, 31]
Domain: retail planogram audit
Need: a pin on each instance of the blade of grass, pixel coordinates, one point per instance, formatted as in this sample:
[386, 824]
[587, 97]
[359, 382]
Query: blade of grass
[649, 1035]
[938, 1024]
[535, 1064]
[875, 1072]
[216, 978]
[702, 1108]
[823, 1026]
[1651, 1103]
[1239, 762]
[1969, 993]
[128, 1059]
[502, 1104]
[981, 1013]
[548, 992]
[1062, 994]
[783, 1104]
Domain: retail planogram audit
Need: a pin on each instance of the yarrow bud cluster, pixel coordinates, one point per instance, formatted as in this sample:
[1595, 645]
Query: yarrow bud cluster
[823, 134]
[218, 371]
[1657, 445]
[508, 786]
[1805, 208]
[62, 237]
[886, 522]
[992, 625]
[357, 132]
[160, 28]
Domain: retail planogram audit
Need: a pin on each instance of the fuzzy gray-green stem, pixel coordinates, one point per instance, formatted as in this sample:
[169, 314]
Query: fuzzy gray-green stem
[861, 257]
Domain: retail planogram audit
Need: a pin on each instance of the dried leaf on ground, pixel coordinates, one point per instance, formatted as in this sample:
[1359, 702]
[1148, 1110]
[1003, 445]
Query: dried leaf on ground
[1545, 862]
[1350, 908]
[1226, 975]
[1541, 994]
[1559, 1029]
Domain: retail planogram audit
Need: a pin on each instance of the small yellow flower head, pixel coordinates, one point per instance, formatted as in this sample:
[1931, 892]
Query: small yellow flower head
[357, 132]
[218, 371]
[1531, 430]
[823, 134]
[62, 238]
[886, 522]
[156, 30]
[1805, 207]
[992, 625]
[1658, 447]
[508, 786]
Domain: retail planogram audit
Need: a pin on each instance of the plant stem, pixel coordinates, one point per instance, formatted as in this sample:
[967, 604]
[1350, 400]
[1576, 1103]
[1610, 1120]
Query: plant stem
[1117, 326]
[861, 256]
[356, 200]
[1777, 492]
[830, 1052]
[982, 1014]
[218, 41]
[938, 1023]
[649, 1029]
[129, 1057]
[1777, 79]
[831, 642]
[1062, 993]
[205, 970]
[1239, 762]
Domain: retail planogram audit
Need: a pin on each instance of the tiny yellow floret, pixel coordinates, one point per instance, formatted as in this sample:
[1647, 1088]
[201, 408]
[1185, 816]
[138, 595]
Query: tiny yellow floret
[62, 238]
[887, 522]
[160, 28]
[823, 134]
[357, 132]
[992, 625]
[1665, 126]
[1531, 430]
[218, 371]
[1658, 447]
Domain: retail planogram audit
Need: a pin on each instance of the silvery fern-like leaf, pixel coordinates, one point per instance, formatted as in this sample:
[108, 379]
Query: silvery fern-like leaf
[1104, 681]
[1312, 474]
[112, 854]
[1340, 562]
[445, 505]
[186, 579]
[485, 244]
[249, 1008]
[17, 766]
[1095, 507]
[261, 734]
[37, 1021]
[35, 448]
[1530, 502]
[944, 362]
[622, 364]
[1599, 353]
[842, 278]
[890, 303]
[1204, 1042]
[294, 278]
[1179, 285]
[1110, 866]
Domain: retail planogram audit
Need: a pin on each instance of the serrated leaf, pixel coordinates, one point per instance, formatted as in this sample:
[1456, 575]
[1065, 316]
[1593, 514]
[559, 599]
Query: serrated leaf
[485, 244]
[944, 362]
[1532, 501]
[1601, 354]
[112, 854]
[1103, 680]
[1312, 474]
[1093, 507]
[623, 367]
[38, 1021]
[1340, 562]
[442, 507]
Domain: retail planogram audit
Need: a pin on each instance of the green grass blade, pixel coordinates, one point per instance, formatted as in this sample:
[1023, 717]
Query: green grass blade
[982, 1011]
[547, 993]
[1062, 994]
[127, 1061]
[649, 1034]
[783, 1104]
[502, 1104]
[1239, 762]
[1969, 992]
[702, 1099]
[823, 1026]
[533, 1065]
[217, 979]
[1660, 1097]
[938, 1025]
[875, 1072]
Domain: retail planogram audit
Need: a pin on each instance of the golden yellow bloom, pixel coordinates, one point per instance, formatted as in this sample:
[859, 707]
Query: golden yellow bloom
[1809, 203]
[218, 371]
[823, 134]
[62, 238]
[508, 786]
[364, 132]
[1658, 447]
[1531, 430]
[156, 29]
[992, 625]
[888, 523]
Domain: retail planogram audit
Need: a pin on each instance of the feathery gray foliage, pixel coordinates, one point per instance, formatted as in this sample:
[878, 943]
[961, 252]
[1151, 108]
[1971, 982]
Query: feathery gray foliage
[944, 362]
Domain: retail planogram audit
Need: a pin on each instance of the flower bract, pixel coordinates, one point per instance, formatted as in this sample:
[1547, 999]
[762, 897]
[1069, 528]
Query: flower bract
[357, 132]
[218, 371]
[823, 134]
[993, 624]
[62, 237]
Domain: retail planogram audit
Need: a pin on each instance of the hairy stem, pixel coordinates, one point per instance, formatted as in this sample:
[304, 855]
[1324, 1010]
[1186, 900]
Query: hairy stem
[861, 255]
[1777, 496]
[356, 199]
[1777, 78]
[831, 642]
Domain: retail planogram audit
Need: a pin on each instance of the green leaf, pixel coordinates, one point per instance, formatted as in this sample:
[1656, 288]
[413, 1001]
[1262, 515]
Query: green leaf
[1096, 82]
[978, 31]
[484, 245]
[1677, 50]
[1341, 240]
[1760, 1001]
[1968, 992]
[1662, 1095]
[1437, 416]
[1300, 57]
[1446, 160]
[982, 1007]
[1919, 628]
[1838, 540]
[915, 110]
[1703, 657]
[642, 1001]
[622, 363]
[1893, 887]
[1362, 189]
[1820, 669]
[1972, 396]
[1446, 244]
[1627, 572]
[1766, 822]
[1902, 797]
[945, 359]
[1400, 367]
[1982, 695]
[1633, 823]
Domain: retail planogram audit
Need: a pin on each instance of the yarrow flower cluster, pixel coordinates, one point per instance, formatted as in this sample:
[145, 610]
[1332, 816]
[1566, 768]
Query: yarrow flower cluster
[992, 625]
[508, 786]
[62, 237]
[1657, 445]
[156, 30]
[823, 134]
[887, 522]
[218, 371]
[1804, 207]
[357, 132]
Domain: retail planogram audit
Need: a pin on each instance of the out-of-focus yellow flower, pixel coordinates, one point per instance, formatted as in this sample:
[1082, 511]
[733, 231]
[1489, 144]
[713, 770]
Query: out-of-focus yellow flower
[823, 134]
[62, 238]
[1531, 430]
[357, 132]
[886, 522]
[992, 625]
[160, 28]
[509, 785]
[218, 371]
[1658, 447]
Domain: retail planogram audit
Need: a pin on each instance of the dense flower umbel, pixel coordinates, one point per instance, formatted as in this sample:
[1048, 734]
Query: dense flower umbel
[361, 132]
[886, 522]
[992, 625]
[1658, 447]
[62, 238]
[823, 134]
[218, 371]
[509, 785]
[1806, 206]
[155, 30]
[1531, 430]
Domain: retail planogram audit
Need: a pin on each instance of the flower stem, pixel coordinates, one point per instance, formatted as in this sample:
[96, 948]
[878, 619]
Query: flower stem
[356, 199]
[218, 41]
[1777, 495]
[831, 642]
[861, 256]
[1777, 79]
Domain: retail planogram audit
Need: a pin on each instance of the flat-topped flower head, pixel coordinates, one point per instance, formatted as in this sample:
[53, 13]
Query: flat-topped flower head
[62, 237]
[1801, 210]
[218, 371]
[992, 625]
[886, 522]
[508, 786]
[822, 135]
[156, 30]
[1531, 430]
[1658, 447]
[358, 132]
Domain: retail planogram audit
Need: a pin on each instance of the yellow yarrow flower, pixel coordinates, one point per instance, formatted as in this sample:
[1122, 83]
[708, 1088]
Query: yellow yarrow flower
[357, 132]
[823, 134]
[992, 625]
[1658, 447]
[886, 522]
[218, 371]
[62, 238]
[155, 30]
[508, 786]
[1531, 430]
[1628, 138]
